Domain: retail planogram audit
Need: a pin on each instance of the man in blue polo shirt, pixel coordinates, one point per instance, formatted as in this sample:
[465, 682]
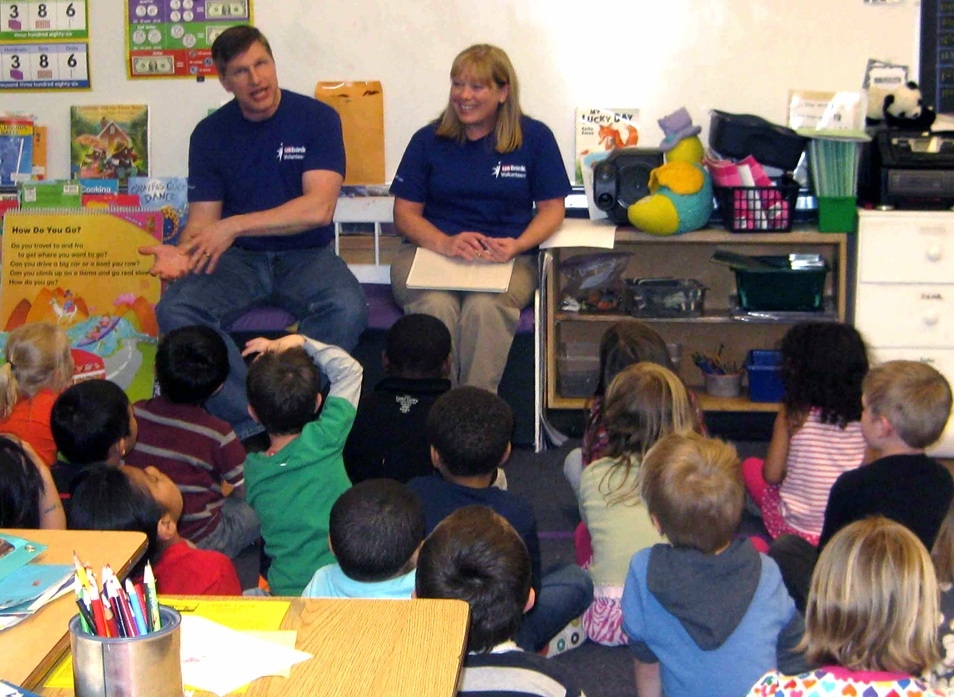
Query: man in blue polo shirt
[264, 175]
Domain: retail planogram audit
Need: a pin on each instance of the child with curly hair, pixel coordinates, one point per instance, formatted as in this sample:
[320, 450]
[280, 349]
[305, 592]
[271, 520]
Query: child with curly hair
[817, 434]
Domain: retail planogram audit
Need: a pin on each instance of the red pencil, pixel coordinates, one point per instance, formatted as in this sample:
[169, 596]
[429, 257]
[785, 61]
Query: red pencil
[111, 624]
[96, 605]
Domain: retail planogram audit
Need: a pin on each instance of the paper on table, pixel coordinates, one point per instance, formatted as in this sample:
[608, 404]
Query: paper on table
[577, 232]
[218, 659]
[434, 271]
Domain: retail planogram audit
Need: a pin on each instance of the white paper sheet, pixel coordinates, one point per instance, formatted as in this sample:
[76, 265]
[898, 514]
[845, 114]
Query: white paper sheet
[218, 659]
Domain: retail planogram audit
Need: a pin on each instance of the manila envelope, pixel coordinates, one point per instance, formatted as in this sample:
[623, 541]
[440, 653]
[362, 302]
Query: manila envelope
[361, 107]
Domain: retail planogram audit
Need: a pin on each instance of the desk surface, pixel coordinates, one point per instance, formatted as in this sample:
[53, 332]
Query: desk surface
[29, 650]
[364, 647]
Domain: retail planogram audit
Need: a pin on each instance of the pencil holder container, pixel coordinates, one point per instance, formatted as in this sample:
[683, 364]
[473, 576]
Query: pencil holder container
[144, 666]
[723, 385]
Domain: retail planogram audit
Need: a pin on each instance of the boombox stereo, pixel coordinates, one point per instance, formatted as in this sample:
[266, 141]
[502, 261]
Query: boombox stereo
[622, 179]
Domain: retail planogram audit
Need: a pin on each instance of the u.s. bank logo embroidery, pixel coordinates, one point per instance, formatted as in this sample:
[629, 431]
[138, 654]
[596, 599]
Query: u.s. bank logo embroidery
[502, 171]
[291, 152]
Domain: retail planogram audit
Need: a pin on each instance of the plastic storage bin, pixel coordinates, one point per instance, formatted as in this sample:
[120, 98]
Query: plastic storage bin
[778, 287]
[578, 368]
[758, 208]
[665, 297]
[764, 369]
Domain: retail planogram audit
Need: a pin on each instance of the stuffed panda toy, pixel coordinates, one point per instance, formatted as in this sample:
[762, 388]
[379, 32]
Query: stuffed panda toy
[904, 109]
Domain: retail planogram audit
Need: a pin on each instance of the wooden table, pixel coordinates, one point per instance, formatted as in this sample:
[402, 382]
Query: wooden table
[364, 647]
[29, 650]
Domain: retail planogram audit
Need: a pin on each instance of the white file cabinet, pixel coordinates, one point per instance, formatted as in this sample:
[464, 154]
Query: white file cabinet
[904, 297]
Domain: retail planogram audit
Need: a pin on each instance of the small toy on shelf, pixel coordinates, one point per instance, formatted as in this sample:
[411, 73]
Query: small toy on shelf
[680, 198]
[904, 109]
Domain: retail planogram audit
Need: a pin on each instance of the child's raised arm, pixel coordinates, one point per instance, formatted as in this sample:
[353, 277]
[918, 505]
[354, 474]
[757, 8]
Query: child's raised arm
[342, 370]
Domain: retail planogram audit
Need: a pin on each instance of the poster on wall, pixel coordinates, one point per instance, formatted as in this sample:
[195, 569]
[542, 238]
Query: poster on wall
[173, 38]
[44, 45]
[82, 271]
[109, 141]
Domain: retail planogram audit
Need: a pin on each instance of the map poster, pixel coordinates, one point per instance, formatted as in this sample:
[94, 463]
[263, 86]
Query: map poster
[173, 38]
[82, 271]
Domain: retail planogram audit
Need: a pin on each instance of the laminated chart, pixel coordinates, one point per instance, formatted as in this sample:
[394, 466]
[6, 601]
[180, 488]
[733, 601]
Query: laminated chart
[44, 45]
[173, 38]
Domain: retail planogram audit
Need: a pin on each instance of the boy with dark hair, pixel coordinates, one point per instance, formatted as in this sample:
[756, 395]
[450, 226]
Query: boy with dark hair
[906, 407]
[469, 431]
[375, 530]
[146, 500]
[92, 422]
[388, 438]
[198, 451]
[293, 485]
[705, 614]
[475, 555]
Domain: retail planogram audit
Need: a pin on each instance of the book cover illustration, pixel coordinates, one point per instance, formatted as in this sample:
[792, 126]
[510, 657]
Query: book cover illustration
[82, 270]
[599, 130]
[169, 196]
[16, 149]
[109, 141]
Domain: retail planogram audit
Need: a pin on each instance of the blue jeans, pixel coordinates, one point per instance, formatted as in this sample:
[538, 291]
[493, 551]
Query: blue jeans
[565, 593]
[314, 284]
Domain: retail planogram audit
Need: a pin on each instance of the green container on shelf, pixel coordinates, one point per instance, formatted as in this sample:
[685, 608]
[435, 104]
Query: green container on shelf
[837, 213]
[775, 286]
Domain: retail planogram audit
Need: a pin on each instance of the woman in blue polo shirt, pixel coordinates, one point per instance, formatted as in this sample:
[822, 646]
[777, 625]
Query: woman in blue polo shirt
[466, 187]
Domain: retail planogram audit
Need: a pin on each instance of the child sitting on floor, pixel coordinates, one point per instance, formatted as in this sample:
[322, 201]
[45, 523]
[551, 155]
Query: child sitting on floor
[388, 438]
[92, 423]
[39, 367]
[375, 530]
[705, 614]
[198, 451]
[130, 498]
[293, 485]
[817, 434]
[643, 403]
[469, 430]
[871, 620]
[28, 496]
[475, 555]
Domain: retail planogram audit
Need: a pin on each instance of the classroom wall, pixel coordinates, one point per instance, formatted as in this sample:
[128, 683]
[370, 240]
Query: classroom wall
[735, 55]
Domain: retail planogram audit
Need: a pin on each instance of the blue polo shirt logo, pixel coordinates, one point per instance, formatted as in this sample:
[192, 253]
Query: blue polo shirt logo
[291, 152]
[502, 171]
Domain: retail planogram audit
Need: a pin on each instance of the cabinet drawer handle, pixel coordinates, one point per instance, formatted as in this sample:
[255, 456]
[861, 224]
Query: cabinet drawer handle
[931, 318]
[935, 252]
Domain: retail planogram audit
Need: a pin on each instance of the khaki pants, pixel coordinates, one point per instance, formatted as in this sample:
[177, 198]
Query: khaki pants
[481, 325]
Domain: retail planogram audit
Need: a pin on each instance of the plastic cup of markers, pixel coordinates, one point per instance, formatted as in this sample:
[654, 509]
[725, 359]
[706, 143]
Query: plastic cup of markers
[143, 666]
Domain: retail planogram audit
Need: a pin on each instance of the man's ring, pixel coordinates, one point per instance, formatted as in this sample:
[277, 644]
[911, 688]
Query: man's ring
[207, 254]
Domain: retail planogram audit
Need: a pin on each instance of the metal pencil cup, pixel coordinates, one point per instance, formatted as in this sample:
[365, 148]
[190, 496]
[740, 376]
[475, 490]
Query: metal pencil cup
[145, 666]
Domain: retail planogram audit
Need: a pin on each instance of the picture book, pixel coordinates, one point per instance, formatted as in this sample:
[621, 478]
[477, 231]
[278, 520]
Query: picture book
[16, 148]
[56, 193]
[168, 195]
[109, 141]
[40, 136]
[82, 270]
[599, 129]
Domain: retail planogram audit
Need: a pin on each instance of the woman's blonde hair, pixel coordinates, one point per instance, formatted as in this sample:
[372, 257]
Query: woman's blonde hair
[487, 64]
[644, 402]
[38, 355]
[873, 602]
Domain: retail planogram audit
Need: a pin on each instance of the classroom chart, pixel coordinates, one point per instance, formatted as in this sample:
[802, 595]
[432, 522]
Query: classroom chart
[43, 45]
[173, 38]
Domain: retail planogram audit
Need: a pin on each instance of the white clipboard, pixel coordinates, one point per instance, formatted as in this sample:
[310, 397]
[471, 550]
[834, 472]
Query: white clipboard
[433, 271]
